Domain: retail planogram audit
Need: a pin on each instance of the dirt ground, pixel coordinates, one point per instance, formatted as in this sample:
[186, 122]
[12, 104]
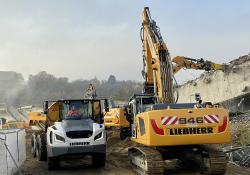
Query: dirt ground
[116, 164]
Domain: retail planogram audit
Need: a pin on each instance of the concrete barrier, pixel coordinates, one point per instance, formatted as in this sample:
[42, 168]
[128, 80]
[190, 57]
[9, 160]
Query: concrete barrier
[12, 150]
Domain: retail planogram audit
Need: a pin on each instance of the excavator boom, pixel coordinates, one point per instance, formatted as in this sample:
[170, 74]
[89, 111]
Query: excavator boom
[157, 71]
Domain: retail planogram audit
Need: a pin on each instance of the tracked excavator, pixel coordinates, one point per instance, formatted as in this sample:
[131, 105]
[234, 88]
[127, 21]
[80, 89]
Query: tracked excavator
[162, 128]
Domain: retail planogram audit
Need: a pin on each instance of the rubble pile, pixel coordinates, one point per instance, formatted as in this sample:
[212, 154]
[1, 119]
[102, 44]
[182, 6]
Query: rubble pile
[240, 128]
[239, 150]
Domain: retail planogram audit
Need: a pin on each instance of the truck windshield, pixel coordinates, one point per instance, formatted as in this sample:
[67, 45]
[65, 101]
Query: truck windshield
[77, 110]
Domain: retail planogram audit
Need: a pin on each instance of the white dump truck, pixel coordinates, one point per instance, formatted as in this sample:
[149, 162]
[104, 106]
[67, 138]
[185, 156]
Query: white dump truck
[69, 129]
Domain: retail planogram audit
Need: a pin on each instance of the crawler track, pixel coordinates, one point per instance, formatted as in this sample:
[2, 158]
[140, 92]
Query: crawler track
[214, 161]
[146, 160]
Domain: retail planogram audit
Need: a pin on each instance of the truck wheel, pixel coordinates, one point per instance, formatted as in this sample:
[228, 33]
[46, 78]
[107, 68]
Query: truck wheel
[98, 159]
[53, 163]
[33, 144]
[41, 149]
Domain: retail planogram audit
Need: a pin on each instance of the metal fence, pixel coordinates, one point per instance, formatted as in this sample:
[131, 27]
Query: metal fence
[12, 151]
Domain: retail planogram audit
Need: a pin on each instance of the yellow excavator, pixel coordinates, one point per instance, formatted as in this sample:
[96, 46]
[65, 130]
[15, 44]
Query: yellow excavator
[162, 128]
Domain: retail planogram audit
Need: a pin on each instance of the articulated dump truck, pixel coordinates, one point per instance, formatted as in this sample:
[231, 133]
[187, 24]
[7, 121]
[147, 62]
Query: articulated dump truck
[69, 129]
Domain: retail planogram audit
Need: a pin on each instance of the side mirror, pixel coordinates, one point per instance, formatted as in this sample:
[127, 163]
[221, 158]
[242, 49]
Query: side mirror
[106, 105]
[45, 107]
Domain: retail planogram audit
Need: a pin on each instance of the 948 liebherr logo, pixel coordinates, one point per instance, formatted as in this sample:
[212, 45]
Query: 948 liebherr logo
[173, 120]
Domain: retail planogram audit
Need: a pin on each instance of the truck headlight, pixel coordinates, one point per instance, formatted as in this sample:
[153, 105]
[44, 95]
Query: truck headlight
[59, 138]
[98, 136]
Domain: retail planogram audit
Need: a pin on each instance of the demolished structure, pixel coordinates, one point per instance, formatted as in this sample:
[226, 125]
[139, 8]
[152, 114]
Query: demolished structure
[231, 88]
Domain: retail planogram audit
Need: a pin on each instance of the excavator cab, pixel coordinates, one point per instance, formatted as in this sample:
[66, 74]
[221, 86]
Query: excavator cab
[141, 103]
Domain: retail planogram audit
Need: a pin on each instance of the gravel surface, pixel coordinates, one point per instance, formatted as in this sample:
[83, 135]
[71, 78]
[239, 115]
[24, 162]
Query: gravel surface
[116, 164]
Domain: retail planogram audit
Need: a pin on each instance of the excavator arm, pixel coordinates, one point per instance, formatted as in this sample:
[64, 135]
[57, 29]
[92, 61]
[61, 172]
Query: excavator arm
[158, 73]
[197, 64]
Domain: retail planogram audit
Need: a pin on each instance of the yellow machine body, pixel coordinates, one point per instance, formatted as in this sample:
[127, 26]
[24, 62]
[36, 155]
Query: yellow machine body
[14, 125]
[116, 117]
[36, 116]
[53, 112]
[188, 127]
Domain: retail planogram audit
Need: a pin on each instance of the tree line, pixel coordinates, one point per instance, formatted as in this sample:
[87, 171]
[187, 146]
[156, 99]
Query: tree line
[44, 86]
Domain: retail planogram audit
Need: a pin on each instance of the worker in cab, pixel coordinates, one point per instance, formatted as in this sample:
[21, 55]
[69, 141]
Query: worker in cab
[73, 112]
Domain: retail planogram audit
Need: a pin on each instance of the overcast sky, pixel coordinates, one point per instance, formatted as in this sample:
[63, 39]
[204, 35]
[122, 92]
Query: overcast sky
[81, 39]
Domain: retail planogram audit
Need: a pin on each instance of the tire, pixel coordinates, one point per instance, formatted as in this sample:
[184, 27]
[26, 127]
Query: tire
[41, 149]
[53, 163]
[98, 159]
[33, 145]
